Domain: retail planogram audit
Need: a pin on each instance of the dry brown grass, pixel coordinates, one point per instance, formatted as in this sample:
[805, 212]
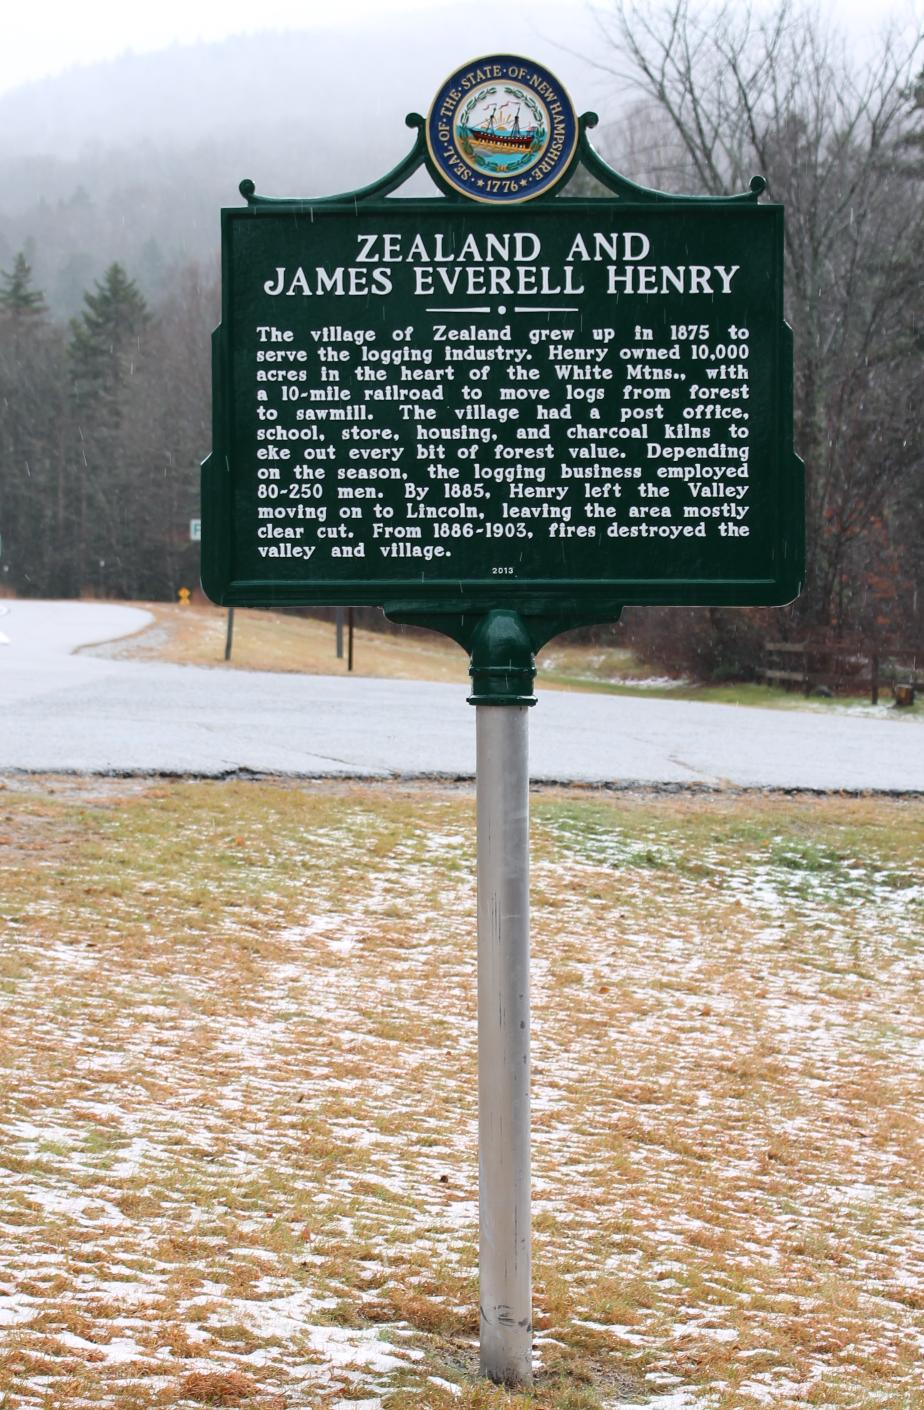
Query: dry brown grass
[237, 1068]
[194, 635]
[218, 1388]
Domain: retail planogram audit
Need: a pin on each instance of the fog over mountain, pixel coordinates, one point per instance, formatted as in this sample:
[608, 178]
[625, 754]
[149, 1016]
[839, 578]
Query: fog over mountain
[131, 159]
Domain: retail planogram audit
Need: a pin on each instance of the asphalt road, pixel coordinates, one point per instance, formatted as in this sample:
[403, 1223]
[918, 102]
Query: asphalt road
[61, 712]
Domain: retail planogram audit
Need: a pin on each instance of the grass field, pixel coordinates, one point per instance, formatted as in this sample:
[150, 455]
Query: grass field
[238, 1066]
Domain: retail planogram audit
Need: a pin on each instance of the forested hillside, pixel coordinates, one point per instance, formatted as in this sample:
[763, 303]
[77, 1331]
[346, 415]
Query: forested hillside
[132, 160]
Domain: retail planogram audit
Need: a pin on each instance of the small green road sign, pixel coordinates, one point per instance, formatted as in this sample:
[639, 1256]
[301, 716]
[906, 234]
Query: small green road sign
[550, 406]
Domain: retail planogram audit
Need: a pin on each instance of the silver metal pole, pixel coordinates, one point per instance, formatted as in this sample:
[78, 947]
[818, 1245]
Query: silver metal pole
[505, 1265]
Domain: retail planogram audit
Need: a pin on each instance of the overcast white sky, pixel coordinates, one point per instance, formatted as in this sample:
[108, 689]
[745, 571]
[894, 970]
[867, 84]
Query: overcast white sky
[42, 37]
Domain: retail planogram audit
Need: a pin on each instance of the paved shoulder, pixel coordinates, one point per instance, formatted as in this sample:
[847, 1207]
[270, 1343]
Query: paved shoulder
[632, 739]
[49, 629]
[37, 661]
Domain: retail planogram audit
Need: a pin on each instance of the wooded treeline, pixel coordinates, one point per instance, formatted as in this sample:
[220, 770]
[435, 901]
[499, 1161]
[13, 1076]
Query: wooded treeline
[731, 91]
[105, 420]
[104, 423]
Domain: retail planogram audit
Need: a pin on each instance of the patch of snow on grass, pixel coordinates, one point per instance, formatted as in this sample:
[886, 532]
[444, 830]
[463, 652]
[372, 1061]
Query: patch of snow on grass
[344, 1346]
[281, 1317]
[16, 1309]
[674, 1400]
[444, 1385]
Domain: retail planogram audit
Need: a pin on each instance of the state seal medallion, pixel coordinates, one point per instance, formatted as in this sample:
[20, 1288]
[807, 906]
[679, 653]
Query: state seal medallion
[501, 129]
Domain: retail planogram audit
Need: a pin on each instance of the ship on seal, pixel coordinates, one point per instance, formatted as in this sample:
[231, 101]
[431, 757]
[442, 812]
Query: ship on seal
[491, 137]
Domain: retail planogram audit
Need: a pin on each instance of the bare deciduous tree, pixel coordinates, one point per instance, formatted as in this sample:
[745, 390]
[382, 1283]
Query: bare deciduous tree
[739, 92]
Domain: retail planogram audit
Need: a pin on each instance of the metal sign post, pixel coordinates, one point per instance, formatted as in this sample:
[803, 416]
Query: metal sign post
[505, 1255]
[502, 675]
[501, 416]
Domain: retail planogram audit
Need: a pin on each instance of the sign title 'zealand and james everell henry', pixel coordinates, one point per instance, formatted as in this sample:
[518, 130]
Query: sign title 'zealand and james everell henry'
[495, 264]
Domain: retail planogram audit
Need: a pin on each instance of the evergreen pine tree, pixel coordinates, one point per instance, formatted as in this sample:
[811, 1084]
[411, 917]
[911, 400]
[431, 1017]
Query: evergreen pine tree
[105, 339]
[17, 297]
[33, 434]
[104, 355]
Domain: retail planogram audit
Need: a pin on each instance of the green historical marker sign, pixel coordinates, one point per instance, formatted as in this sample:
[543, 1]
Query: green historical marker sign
[502, 412]
[552, 406]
